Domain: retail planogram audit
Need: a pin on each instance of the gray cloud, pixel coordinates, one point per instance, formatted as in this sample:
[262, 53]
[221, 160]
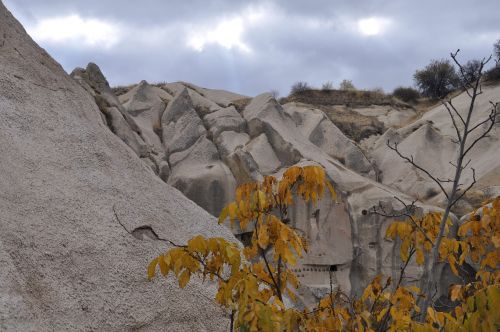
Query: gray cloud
[286, 41]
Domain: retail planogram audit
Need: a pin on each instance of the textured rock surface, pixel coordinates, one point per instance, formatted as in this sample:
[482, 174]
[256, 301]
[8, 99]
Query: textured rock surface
[66, 262]
[430, 141]
[315, 125]
[119, 121]
[210, 147]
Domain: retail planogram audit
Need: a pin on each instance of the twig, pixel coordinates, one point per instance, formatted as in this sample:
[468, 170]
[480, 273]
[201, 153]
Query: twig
[410, 160]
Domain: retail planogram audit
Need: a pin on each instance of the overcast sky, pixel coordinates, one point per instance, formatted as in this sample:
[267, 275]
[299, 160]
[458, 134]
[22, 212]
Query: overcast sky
[256, 46]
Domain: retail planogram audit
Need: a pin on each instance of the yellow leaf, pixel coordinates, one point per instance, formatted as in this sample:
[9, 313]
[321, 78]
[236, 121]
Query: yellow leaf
[456, 292]
[262, 199]
[391, 231]
[223, 215]
[197, 244]
[263, 236]
[496, 240]
[152, 268]
[420, 257]
[184, 278]
[432, 315]
[163, 266]
[233, 210]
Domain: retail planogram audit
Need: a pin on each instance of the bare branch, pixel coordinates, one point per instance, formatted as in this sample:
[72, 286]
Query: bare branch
[466, 189]
[450, 102]
[408, 211]
[466, 164]
[445, 181]
[492, 119]
[489, 118]
[457, 130]
[410, 160]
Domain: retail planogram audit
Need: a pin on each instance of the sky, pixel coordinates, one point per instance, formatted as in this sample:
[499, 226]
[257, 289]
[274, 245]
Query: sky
[252, 47]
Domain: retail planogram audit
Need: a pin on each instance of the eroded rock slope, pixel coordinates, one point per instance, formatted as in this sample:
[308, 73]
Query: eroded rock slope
[67, 263]
[431, 141]
[205, 145]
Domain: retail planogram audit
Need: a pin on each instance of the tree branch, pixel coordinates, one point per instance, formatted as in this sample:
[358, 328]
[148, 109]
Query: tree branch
[466, 189]
[410, 160]
[409, 209]
[492, 119]
[457, 130]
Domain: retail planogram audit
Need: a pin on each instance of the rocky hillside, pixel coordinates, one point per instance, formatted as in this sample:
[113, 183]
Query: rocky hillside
[430, 140]
[205, 142]
[68, 263]
[358, 114]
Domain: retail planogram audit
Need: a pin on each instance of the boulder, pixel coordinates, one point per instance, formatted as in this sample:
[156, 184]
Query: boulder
[94, 82]
[202, 105]
[226, 119]
[181, 125]
[228, 141]
[142, 97]
[220, 97]
[243, 166]
[263, 154]
[202, 177]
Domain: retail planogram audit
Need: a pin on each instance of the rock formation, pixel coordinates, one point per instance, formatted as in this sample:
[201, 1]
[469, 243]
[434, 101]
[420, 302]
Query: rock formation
[67, 262]
[430, 140]
[211, 142]
[73, 148]
[209, 146]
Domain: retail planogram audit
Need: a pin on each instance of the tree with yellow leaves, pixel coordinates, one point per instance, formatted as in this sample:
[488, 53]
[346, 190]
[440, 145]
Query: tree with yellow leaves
[254, 281]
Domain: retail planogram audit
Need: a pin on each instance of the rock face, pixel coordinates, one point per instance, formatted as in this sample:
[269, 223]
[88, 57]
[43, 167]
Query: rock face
[211, 142]
[315, 125]
[209, 146]
[67, 262]
[430, 141]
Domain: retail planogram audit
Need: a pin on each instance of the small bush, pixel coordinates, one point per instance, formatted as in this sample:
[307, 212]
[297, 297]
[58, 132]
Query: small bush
[406, 94]
[275, 93]
[299, 87]
[379, 90]
[437, 79]
[327, 86]
[346, 85]
[470, 72]
[493, 75]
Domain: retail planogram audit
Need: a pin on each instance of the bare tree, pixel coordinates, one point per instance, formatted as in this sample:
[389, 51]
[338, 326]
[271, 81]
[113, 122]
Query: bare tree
[299, 86]
[463, 130]
[327, 86]
[346, 85]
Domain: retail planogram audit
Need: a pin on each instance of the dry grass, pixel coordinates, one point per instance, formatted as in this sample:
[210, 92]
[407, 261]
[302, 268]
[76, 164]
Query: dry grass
[240, 104]
[121, 89]
[341, 97]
